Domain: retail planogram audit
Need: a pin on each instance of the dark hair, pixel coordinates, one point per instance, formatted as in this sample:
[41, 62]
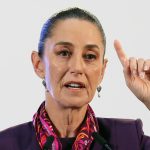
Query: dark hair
[66, 14]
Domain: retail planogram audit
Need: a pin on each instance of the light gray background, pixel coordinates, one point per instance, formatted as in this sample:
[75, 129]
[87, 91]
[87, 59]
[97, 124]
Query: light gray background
[21, 91]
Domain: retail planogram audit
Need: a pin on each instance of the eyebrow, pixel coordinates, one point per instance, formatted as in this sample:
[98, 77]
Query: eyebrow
[89, 46]
[64, 43]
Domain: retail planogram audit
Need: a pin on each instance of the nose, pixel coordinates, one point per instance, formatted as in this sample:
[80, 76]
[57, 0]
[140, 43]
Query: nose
[76, 65]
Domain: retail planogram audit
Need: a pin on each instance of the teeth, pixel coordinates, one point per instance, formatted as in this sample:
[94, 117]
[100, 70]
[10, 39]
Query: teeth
[74, 85]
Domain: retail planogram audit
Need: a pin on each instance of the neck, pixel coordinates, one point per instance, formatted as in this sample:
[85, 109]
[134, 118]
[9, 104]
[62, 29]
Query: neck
[66, 121]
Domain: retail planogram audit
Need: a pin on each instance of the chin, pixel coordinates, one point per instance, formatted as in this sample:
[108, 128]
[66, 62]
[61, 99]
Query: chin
[74, 103]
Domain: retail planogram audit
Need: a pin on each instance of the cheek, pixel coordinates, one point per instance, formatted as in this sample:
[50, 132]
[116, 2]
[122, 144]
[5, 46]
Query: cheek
[94, 76]
[95, 73]
[55, 73]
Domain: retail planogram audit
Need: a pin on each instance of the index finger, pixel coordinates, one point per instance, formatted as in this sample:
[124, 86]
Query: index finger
[121, 54]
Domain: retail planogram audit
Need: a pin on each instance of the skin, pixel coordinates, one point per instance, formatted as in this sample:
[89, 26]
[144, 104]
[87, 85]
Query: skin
[136, 73]
[71, 54]
[81, 59]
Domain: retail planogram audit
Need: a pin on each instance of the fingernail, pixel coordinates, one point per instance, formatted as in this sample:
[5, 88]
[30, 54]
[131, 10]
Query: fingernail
[146, 68]
[142, 75]
[134, 73]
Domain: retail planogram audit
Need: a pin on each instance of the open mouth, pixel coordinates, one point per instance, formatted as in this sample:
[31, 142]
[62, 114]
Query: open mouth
[75, 85]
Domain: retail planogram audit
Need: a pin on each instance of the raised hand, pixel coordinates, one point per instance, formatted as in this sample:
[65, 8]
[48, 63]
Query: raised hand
[136, 73]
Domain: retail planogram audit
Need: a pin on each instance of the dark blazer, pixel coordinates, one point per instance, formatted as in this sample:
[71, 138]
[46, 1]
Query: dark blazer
[121, 134]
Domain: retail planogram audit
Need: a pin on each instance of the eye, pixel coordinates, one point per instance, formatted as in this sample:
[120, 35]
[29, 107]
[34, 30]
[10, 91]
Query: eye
[64, 53]
[89, 56]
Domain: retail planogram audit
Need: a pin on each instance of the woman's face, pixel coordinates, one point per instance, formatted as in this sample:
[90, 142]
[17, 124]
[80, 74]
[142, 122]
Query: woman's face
[73, 60]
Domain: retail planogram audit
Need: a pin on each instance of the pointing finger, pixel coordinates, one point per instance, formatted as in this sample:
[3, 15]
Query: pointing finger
[121, 54]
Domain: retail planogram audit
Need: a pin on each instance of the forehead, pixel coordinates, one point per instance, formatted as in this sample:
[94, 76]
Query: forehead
[77, 31]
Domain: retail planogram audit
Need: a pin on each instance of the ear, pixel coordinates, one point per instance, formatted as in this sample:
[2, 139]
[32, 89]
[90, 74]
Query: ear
[103, 69]
[38, 64]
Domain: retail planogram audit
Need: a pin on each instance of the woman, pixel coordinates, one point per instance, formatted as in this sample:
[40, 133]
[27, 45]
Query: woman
[71, 62]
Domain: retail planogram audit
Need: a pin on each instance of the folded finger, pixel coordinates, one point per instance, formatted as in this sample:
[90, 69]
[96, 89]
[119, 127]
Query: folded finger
[140, 63]
[147, 65]
[133, 65]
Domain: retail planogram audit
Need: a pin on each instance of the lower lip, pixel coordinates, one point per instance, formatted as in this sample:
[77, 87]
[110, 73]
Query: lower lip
[74, 89]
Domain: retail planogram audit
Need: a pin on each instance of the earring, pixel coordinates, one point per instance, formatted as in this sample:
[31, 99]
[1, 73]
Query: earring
[44, 84]
[99, 88]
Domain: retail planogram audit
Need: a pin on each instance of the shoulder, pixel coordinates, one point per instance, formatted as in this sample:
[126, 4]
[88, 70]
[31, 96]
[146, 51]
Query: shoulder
[17, 136]
[110, 122]
[121, 126]
[124, 130]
